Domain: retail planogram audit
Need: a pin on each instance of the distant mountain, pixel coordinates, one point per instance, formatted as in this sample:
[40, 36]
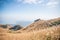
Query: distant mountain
[10, 27]
[6, 26]
[17, 26]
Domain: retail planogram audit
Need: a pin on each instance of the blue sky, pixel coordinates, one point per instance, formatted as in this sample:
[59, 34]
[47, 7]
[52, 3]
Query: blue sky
[14, 11]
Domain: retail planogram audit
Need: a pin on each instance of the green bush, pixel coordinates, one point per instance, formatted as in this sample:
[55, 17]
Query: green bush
[56, 23]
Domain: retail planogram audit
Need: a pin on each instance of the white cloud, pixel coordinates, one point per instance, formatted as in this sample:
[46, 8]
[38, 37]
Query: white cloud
[33, 1]
[30, 1]
[52, 3]
[40, 1]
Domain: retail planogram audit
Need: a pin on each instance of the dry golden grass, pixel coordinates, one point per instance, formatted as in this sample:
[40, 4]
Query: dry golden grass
[41, 24]
[52, 33]
[40, 30]
[2, 30]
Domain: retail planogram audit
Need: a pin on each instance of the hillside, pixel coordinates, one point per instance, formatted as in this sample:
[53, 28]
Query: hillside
[52, 33]
[38, 30]
[41, 24]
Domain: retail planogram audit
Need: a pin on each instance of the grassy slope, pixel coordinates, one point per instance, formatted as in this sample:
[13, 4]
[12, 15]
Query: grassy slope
[35, 31]
[52, 33]
[41, 24]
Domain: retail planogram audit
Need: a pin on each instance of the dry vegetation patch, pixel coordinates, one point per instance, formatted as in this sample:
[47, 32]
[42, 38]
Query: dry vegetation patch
[52, 33]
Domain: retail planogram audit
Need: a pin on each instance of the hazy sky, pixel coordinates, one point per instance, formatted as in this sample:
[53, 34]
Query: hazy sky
[13, 11]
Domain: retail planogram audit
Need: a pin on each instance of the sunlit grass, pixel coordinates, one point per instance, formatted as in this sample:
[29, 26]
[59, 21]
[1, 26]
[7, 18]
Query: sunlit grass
[52, 33]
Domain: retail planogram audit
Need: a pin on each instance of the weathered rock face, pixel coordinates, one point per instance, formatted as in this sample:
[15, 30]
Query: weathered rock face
[16, 27]
[37, 20]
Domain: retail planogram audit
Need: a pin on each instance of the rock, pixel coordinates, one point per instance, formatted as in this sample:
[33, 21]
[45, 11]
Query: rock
[37, 20]
[16, 27]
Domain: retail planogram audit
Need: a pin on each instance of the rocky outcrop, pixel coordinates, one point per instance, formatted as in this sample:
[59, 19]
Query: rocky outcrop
[16, 27]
